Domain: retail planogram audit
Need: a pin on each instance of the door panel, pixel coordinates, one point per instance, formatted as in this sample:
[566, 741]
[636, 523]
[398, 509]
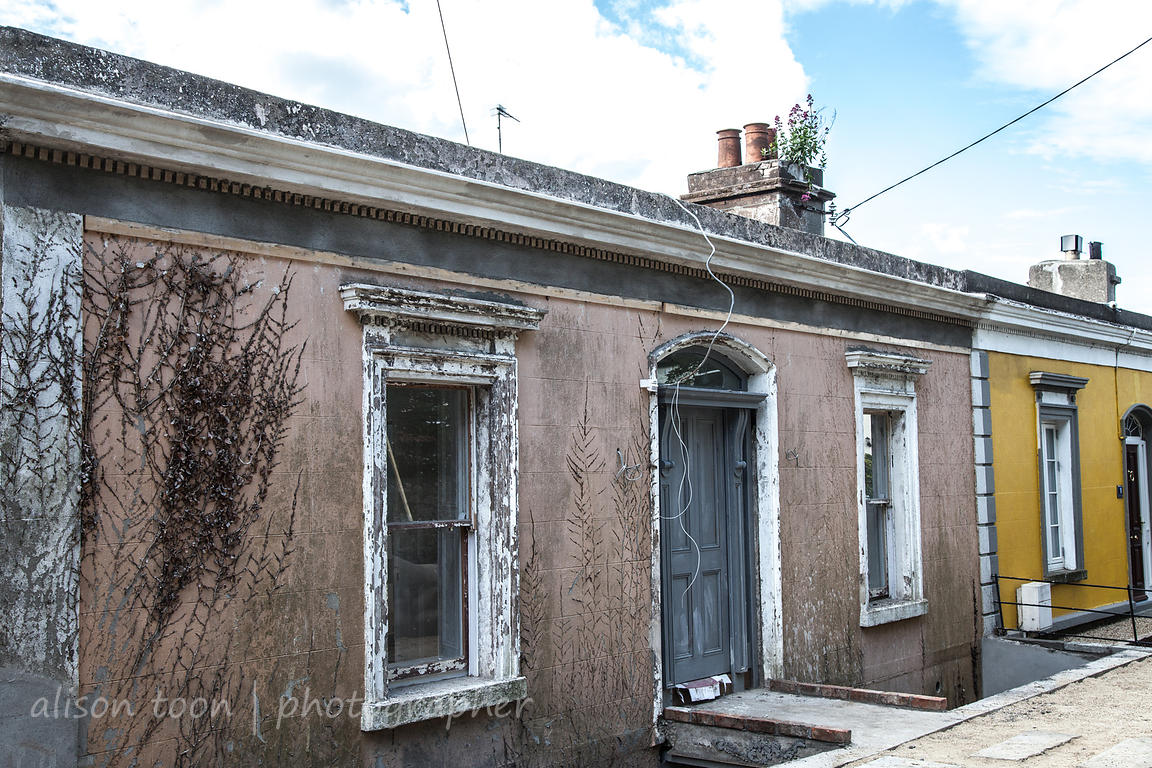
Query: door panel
[702, 513]
[681, 609]
[712, 597]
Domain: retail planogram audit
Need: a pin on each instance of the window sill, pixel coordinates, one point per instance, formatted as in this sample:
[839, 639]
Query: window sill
[1065, 577]
[888, 611]
[442, 698]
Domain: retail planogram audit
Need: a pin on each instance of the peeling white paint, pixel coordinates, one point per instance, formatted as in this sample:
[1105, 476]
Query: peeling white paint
[887, 381]
[389, 316]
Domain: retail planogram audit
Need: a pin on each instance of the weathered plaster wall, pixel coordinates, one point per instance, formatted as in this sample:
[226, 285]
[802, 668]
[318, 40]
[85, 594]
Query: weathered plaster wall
[937, 653]
[260, 652]
[39, 475]
[824, 642]
[586, 599]
[586, 615]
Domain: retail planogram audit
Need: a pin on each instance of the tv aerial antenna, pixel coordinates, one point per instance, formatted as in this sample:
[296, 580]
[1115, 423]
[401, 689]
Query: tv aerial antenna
[501, 113]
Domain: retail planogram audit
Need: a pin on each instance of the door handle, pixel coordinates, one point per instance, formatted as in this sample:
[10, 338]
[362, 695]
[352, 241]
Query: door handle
[739, 468]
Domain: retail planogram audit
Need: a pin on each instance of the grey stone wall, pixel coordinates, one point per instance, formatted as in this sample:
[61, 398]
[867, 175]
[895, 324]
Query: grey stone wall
[39, 484]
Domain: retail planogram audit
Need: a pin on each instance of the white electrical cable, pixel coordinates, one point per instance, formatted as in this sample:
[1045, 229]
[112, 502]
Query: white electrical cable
[685, 479]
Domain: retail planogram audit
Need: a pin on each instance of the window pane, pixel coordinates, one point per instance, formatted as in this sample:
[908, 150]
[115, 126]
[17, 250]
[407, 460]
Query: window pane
[877, 549]
[425, 595]
[715, 373]
[875, 427]
[427, 453]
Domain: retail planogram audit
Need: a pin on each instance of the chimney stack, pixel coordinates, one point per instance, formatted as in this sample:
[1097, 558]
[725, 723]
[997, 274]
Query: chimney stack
[729, 139]
[1091, 279]
[762, 187]
[758, 141]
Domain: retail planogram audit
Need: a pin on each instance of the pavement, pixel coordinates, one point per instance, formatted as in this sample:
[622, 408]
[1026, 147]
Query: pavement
[1092, 716]
[1095, 716]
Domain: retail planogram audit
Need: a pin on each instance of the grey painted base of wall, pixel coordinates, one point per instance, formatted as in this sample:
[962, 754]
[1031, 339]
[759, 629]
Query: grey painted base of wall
[30, 736]
[1006, 664]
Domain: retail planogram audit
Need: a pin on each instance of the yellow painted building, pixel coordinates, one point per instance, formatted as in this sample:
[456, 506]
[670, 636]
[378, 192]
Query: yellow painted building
[1066, 485]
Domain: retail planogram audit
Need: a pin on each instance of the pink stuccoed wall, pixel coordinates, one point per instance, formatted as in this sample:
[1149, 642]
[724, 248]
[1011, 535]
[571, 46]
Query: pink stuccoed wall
[585, 546]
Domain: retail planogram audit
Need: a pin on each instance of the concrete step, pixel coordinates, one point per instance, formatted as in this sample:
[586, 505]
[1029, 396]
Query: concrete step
[705, 739]
[702, 746]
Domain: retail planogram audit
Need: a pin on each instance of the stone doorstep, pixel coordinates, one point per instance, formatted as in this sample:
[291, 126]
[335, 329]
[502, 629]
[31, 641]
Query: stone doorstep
[862, 695]
[764, 725]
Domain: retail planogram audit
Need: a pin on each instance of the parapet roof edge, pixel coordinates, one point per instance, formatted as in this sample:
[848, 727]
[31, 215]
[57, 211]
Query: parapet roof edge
[122, 78]
[114, 78]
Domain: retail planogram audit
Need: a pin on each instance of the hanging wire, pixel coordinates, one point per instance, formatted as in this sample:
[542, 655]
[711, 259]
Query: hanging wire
[708, 266]
[674, 409]
[844, 214]
[452, 69]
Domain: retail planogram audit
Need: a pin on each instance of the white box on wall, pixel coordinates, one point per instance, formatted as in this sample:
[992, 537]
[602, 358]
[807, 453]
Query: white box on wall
[1035, 611]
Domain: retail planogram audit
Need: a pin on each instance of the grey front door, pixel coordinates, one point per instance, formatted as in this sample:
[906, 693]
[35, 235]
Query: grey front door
[702, 508]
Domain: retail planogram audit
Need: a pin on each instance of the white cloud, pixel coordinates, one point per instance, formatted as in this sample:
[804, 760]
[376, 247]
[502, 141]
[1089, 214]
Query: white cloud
[1046, 47]
[946, 239]
[590, 96]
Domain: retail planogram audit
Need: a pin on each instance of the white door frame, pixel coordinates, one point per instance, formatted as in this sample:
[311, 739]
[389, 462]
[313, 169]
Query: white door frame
[764, 505]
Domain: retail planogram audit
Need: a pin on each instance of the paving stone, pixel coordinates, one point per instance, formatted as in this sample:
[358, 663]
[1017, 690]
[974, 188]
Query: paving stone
[1025, 745]
[1130, 753]
[907, 762]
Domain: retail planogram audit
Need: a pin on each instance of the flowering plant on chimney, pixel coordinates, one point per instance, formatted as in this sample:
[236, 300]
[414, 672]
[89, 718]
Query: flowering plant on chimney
[801, 140]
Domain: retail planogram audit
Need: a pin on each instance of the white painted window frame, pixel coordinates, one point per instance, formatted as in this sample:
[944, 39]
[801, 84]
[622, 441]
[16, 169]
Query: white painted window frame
[886, 381]
[1065, 559]
[1056, 408]
[424, 337]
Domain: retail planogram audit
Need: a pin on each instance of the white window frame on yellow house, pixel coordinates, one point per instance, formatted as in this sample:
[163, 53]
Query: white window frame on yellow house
[1058, 455]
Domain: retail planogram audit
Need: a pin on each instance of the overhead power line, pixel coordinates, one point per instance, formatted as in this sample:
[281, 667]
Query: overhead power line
[847, 211]
[452, 69]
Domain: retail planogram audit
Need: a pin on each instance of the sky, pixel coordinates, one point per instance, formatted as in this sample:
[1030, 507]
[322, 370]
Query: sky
[634, 91]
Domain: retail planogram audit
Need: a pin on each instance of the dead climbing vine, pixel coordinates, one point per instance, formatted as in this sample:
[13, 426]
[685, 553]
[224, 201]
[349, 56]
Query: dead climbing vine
[189, 382]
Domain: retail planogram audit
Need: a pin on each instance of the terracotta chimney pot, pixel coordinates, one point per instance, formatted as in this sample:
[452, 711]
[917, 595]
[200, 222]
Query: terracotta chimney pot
[758, 141]
[729, 156]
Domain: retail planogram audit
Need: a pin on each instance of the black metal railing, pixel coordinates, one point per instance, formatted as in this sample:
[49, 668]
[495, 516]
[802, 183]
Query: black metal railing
[1130, 591]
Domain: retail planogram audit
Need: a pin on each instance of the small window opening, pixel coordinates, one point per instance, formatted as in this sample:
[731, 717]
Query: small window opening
[698, 367]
